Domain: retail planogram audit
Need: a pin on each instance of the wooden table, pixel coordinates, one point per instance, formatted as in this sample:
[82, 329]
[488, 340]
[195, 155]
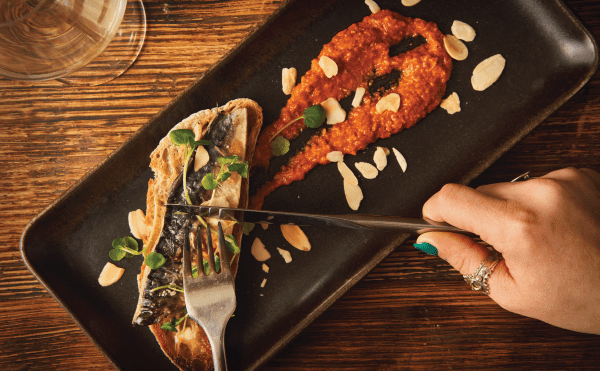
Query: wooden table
[53, 134]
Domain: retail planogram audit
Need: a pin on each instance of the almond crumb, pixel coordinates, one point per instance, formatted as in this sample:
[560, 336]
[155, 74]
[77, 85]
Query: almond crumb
[288, 80]
[258, 250]
[451, 104]
[328, 66]
[358, 96]
[367, 170]
[335, 156]
[285, 254]
[390, 102]
[295, 236]
[265, 268]
[263, 283]
[333, 111]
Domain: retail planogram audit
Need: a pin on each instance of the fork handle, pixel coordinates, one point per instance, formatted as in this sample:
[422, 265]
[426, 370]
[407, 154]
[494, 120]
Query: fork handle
[219, 359]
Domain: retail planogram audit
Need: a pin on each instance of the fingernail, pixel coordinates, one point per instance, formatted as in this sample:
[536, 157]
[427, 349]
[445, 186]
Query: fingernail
[426, 248]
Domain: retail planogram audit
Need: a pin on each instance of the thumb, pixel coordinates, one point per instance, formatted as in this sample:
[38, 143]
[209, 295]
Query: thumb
[465, 255]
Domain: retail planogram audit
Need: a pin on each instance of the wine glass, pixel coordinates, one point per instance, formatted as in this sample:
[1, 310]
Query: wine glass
[86, 42]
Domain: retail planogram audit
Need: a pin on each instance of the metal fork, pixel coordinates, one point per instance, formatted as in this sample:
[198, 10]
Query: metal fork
[210, 300]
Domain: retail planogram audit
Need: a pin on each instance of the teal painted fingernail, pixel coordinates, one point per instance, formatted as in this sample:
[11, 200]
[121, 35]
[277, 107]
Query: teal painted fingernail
[426, 248]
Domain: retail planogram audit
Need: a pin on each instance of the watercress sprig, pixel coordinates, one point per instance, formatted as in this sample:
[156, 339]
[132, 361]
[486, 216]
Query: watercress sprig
[313, 116]
[127, 247]
[229, 165]
[174, 322]
[186, 138]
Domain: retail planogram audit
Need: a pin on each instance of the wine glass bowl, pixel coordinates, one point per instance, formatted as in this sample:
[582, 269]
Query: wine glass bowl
[77, 41]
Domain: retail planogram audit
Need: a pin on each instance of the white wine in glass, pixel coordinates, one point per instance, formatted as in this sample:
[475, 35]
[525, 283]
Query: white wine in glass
[87, 42]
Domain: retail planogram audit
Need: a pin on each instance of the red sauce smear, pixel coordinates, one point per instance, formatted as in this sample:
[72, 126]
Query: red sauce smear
[361, 53]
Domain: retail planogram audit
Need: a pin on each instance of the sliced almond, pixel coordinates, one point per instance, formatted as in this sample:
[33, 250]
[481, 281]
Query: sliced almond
[372, 6]
[358, 96]
[285, 254]
[335, 156]
[264, 225]
[455, 48]
[110, 274]
[137, 224]
[198, 131]
[410, 2]
[367, 170]
[265, 268]
[347, 174]
[201, 158]
[463, 31]
[390, 102]
[380, 157]
[263, 283]
[487, 72]
[401, 160]
[258, 250]
[333, 111]
[451, 104]
[328, 66]
[288, 80]
[354, 195]
[295, 236]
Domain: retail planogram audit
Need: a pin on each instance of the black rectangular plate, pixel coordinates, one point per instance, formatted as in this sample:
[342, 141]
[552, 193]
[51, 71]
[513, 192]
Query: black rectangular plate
[549, 53]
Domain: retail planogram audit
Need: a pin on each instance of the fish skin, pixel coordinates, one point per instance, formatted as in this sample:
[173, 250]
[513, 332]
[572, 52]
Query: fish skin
[157, 305]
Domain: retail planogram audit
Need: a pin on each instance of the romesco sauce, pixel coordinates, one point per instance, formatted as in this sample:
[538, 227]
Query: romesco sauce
[361, 53]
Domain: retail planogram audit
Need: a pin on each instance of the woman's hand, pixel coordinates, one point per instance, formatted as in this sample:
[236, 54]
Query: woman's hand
[547, 229]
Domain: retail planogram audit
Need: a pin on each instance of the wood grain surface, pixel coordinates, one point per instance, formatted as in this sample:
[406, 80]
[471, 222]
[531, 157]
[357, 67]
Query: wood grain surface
[413, 312]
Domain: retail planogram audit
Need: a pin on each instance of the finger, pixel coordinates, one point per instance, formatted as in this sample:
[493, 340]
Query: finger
[469, 209]
[465, 255]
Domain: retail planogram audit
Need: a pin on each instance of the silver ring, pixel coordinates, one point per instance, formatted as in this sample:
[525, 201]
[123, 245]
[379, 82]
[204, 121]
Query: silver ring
[478, 280]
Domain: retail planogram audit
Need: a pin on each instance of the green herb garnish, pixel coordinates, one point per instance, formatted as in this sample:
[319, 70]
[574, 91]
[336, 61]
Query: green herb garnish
[173, 323]
[125, 247]
[206, 267]
[247, 228]
[170, 287]
[280, 146]
[186, 137]
[314, 116]
[155, 260]
[229, 165]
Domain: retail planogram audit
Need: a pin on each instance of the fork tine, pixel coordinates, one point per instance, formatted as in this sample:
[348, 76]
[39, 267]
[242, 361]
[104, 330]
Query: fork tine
[225, 268]
[187, 263]
[211, 251]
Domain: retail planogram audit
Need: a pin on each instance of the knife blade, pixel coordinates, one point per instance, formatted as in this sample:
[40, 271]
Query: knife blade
[354, 221]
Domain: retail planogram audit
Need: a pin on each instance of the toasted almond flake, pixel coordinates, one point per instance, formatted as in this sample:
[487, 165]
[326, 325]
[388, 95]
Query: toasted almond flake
[137, 224]
[358, 96]
[390, 102]
[201, 158]
[197, 129]
[451, 104]
[265, 268]
[270, 217]
[455, 48]
[110, 274]
[401, 160]
[333, 111]
[328, 66]
[463, 31]
[187, 334]
[380, 157]
[487, 72]
[335, 156]
[264, 225]
[354, 195]
[258, 250]
[367, 170]
[263, 283]
[295, 236]
[285, 254]
[372, 6]
[347, 174]
[288, 80]
[410, 2]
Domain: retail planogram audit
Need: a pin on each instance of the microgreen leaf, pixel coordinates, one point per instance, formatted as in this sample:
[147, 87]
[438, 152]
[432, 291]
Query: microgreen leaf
[217, 263]
[232, 244]
[155, 260]
[280, 146]
[130, 243]
[171, 287]
[169, 326]
[116, 254]
[209, 182]
[201, 143]
[182, 137]
[225, 176]
[195, 271]
[117, 243]
[228, 160]
[247, 228]
[314, 116]
[240, 168]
